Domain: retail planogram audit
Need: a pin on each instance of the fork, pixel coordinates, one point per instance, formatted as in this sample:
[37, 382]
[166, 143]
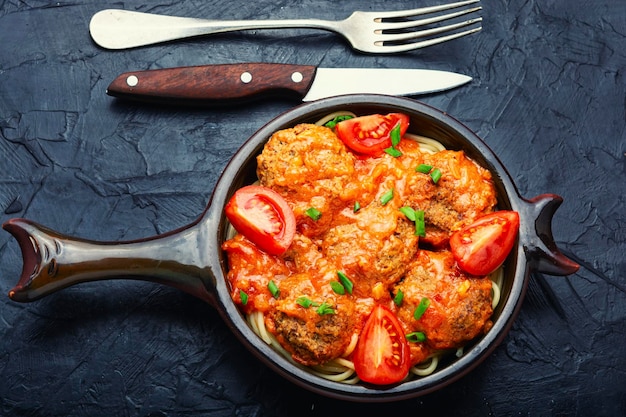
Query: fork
[371, 32]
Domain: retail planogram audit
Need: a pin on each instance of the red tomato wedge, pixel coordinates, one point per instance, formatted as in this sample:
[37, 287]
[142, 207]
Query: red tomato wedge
[371, 135]
[481, 247]
[264, 217]
[382, 353]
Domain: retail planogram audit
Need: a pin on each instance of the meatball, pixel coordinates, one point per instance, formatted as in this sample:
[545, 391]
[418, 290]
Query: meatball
[315, 333]
[460, 305]
[313, 343]
[464, 193]
[368, 257]
[310, 167]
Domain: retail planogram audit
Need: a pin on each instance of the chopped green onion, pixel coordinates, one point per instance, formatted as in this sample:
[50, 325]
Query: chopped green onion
[273, 289]
[343, 285]
[313, 213]
[304, 302]
[331, 124]
[357, 206]
[397, 300]
[423, 168]
[408, 212]
[393, 152]
[338, 287]
[244, 297]
[395, 140]
[348, 285]
[435, 175]
[416, 337]
[416, 216]
[385, 198]
[421, 308]
[395, 135]
[420, 224]
[325, 309]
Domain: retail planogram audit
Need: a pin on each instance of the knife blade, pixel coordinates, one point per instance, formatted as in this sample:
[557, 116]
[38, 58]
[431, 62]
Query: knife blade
[240, 82]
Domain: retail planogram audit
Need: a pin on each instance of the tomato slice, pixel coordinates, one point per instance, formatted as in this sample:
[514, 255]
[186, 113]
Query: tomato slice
[264, 217]
[371, 135]
[481, 247]
[382, 353]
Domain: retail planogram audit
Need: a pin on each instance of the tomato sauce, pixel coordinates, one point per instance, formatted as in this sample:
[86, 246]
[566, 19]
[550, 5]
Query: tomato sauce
[362, 234]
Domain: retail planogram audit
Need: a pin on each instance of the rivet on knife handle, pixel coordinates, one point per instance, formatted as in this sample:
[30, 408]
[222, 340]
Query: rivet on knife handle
[228, 82]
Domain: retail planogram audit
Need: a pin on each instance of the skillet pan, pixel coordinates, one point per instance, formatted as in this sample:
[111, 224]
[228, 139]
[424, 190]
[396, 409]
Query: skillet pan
[190, 258]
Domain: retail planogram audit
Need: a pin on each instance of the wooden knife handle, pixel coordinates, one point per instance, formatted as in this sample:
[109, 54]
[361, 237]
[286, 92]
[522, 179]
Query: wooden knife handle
[214, 83]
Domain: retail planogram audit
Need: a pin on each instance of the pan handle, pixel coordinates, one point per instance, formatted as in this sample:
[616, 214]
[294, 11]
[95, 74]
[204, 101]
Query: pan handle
[541, 251]
[53, 261]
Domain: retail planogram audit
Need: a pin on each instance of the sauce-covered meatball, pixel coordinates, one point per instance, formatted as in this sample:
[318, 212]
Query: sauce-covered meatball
[459, 305]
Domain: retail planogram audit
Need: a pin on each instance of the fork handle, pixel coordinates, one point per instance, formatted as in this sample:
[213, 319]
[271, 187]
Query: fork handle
[204, 84]
[122, 29]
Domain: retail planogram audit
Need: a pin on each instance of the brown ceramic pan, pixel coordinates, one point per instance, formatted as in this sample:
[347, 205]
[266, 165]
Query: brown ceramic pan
[191, 260]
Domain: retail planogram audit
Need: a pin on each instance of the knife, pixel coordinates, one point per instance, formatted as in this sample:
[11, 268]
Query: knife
[240, 82]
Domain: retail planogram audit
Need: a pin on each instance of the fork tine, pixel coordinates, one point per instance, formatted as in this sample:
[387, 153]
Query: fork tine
[390, 49]
[423, 10]
[399, 37]
[380, 27]
[395, 36]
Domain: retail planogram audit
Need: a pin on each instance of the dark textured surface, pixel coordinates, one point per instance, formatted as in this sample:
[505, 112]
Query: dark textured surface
[549, 97]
